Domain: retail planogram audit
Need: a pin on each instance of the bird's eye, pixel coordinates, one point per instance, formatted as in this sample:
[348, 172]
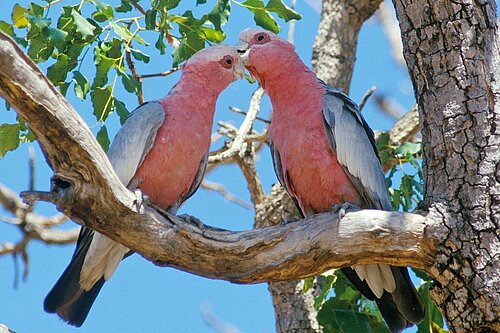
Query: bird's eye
[261, 38]
[226, 61]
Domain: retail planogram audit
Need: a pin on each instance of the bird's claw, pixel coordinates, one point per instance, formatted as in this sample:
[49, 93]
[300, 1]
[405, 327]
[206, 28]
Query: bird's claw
[141, 200]
[343, 209]
[193, 220]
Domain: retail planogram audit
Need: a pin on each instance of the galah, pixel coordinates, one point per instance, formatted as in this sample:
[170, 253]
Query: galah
[162, 151]
[324, 155]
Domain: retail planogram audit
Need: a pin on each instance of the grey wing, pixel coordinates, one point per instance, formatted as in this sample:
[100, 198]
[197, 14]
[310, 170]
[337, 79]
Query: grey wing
[199, 177]
[277, 165]
[353, 142]
[135, 139]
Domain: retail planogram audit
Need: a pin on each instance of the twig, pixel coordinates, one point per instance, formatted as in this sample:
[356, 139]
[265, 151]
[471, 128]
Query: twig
[131, 66]
[238, 111]
[246, 162]
[389, 106]
[245, 127]
[221, 189]
[367, 95]
[31, 163]
[145, 76]
[218, 325]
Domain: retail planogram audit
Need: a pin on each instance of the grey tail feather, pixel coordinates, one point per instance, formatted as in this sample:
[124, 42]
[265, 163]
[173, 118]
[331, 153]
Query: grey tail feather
[401, 308]
[67, 298]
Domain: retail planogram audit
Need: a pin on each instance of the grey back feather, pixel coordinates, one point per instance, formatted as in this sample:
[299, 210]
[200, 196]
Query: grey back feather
[135, 139]
[352, 140]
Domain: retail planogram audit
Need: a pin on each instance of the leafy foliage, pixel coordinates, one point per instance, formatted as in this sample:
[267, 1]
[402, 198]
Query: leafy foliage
[346, 311]
[407, 169]
[115, 37]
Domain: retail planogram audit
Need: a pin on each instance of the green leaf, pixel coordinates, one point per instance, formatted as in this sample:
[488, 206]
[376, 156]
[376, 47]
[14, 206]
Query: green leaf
[334, 319]
[150, 19]
[82, 85]
[283, 11]
[138, 55]
[39, 50]
[38, 22]
[308, 283]
[56, 37]
[82, 25]
[408, 147]
[140, 40]
[325, 283]
[219, 14]
[102, 100]
[59, 70]
[212, 34]
[7, 28]
[250, 79]
[261, 16]
[106, 55]
[103, 138]
[166, 5]
[101, 6]
[124, 7]
[121, 31]
[36, 10]
[130, 84]
[102, 69]
[9, 138]
[160, 43]
[189, 45]
[200, 2]
[63, 88]
[18, 16]
[121, 110]
[433, 321]
[421, 274]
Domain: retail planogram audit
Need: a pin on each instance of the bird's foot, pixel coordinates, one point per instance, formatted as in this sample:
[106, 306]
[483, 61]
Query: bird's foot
[344, 209]
[140, 201]
[193, 220]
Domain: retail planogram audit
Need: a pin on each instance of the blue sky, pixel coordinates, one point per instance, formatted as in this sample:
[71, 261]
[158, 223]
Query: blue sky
[141, 296]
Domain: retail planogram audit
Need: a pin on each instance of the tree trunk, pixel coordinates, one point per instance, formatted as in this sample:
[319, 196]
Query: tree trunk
[334, 51]
[453, 54]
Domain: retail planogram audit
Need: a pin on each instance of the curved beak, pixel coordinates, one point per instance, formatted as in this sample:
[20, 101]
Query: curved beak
[239, 69]
[243, 50]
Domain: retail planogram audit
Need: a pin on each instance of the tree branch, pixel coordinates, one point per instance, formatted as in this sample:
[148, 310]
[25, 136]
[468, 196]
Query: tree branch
[86, 189]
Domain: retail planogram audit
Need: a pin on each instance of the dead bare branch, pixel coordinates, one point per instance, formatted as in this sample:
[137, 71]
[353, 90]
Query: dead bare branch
[245, 128]
[221, 189]
[217, 324]
[166, 73]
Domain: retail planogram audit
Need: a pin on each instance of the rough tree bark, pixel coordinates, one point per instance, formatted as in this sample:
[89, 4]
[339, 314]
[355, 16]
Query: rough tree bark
[453, 54]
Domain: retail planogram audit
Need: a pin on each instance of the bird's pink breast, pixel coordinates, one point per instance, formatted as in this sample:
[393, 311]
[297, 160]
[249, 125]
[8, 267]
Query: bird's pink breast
[312, 172]
[170, 168]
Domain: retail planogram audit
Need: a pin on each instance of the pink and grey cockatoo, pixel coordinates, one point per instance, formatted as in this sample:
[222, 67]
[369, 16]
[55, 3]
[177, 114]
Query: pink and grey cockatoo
[324, 154]
[162, 151]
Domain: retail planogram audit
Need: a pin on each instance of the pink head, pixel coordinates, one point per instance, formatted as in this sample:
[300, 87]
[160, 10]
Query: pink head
[264, 53]
[218, 65]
